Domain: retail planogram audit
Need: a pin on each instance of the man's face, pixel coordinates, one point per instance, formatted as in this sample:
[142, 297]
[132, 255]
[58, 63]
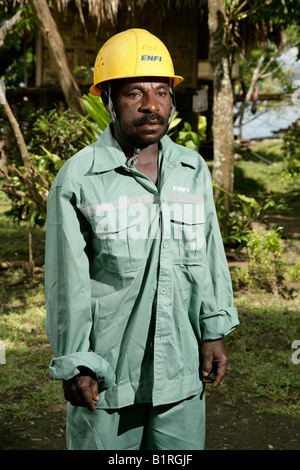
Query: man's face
[143, 108]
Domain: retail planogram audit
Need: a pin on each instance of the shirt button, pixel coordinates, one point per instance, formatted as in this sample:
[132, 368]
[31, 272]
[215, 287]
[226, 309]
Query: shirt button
[163, 291]
[165, 244]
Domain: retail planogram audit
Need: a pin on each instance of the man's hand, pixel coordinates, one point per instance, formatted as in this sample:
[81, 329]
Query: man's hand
[215, 360]
[82, 389]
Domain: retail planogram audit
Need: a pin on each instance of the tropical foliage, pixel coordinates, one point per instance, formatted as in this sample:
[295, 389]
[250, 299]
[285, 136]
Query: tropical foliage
[291, 148]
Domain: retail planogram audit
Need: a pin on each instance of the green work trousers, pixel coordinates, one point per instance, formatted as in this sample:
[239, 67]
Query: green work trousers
[176, 426]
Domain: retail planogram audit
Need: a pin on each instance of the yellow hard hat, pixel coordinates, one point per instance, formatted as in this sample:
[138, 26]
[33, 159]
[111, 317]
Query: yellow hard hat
[132, 53]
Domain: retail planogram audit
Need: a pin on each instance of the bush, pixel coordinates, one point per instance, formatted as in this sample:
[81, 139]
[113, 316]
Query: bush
[291, 148]
[266, 269]
[265, 257]
[235, 224]
[189, 138]
[58, 132]
[54, 137]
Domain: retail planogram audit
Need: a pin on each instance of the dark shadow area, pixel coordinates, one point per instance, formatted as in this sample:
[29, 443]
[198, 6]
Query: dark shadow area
[245, 185]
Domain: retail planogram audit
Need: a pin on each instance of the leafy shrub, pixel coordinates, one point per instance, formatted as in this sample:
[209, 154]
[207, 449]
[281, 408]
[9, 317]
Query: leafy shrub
[235, 225]
[291, 148]
[59, 132]
[54, 137]
[188, 138]
[97, 112]
[265, 257]
[293, 273]
[240, 278]
[266, 267]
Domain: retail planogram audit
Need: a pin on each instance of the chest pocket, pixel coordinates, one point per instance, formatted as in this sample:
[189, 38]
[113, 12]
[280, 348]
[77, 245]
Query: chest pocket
[121, 238]
[187, 233]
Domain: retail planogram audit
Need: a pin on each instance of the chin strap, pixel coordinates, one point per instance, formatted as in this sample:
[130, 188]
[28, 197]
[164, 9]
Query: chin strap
[173, 106]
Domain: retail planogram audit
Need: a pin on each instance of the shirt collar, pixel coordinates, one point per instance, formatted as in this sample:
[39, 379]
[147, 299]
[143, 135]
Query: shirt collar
[177, 154]
[108, 154]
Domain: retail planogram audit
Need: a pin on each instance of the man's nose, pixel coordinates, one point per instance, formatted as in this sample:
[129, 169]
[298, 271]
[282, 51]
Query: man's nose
[149, 104]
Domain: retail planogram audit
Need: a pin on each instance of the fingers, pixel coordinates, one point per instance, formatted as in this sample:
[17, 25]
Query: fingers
[86, 395]
[215, 360]
[216, 373]
[81, 391]
[208, 377]
[70, 392]
[216, 378]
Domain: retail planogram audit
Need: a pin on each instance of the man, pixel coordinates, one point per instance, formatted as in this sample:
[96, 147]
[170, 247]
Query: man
[137, 286]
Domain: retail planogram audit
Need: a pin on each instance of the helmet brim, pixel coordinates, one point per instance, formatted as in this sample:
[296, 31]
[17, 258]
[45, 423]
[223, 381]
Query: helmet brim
[96, 88]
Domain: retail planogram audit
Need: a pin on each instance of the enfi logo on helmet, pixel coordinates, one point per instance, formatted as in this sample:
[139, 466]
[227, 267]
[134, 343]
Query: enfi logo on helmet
[152, 57]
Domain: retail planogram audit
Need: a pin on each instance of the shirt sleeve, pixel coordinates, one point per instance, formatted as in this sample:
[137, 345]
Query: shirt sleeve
[68, 291]
[218, 316]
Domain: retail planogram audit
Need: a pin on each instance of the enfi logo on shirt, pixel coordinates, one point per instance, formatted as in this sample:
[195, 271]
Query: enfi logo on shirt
[181, 188]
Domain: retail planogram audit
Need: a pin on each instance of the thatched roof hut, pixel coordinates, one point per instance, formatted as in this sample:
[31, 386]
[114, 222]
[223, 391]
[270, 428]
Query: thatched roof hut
[181, 24]
[86, 24]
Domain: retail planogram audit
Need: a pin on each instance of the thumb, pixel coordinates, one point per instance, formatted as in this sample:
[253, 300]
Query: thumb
[206, 366]
[94, 389]
[206, 370]
[207, 360]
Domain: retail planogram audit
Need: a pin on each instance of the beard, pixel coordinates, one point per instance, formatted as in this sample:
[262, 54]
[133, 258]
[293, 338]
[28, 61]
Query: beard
[136, 138]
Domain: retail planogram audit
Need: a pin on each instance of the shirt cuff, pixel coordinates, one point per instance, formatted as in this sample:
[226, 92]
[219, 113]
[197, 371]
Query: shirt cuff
[216, 325]
[66, 367]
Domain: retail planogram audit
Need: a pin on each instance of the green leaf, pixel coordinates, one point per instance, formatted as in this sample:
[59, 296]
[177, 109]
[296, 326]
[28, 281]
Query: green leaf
[96, 109]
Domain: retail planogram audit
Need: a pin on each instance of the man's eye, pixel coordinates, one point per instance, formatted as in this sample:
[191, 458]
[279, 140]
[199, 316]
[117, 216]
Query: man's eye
[133, 94]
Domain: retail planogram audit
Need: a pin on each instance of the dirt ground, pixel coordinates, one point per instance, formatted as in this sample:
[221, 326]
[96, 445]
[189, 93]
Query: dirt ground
[242, 428]
[235, 428]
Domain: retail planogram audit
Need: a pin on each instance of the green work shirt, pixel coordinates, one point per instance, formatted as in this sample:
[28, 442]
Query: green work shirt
[136, 277]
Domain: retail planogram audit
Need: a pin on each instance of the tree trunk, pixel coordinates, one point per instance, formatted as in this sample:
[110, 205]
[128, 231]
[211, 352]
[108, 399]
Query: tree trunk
[8, 27]
[36, 184]
[50, 33]
[16, 129]
[223, 170]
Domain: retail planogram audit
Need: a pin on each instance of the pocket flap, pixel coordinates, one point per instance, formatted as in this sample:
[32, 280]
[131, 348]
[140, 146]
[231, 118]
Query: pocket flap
[187, 214]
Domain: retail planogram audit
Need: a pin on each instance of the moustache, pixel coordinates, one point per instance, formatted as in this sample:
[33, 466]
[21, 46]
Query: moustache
[148, 118]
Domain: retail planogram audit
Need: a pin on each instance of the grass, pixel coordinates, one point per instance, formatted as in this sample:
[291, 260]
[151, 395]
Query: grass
[25, 384]
[260, 368]
[259, 180]
[26, 387]
[14, 237]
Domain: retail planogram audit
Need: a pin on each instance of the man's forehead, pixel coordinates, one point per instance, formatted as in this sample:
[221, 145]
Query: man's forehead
[139, 82]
